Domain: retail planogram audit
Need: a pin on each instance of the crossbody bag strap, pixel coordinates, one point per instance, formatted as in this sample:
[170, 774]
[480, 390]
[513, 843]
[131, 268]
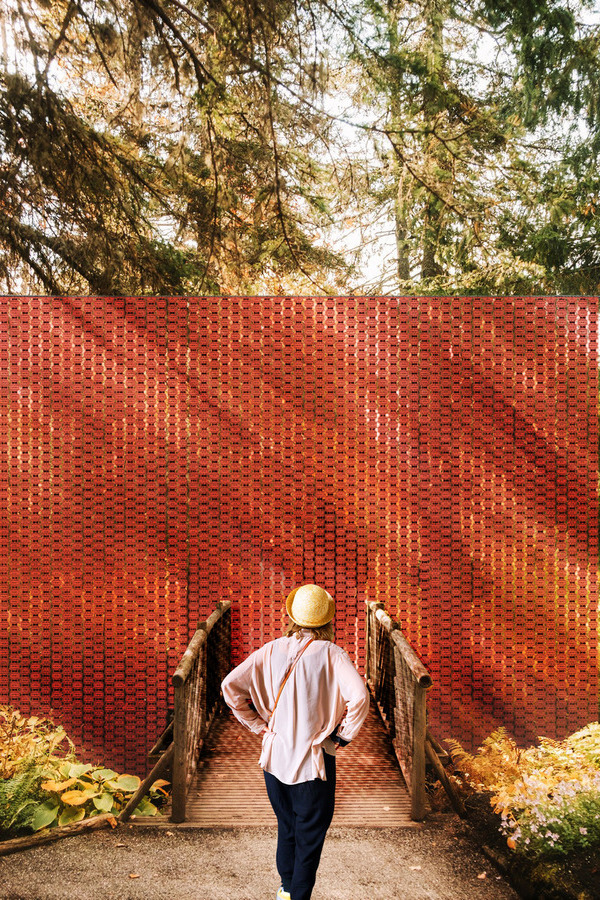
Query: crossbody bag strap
[287, 675]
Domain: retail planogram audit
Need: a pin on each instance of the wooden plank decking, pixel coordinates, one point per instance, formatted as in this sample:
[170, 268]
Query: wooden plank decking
[229, 789]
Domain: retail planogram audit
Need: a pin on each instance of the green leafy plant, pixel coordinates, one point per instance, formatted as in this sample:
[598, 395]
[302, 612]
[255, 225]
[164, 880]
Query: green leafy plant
[43, 784]
[76, 791]
[547, 797]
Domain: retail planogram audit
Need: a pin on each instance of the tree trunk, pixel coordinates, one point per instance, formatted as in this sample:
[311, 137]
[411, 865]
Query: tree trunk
[402, 244]
[401, 176]
[434, 51]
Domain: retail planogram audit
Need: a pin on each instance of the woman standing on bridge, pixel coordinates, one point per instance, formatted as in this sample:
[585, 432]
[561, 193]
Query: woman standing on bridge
[302, 693]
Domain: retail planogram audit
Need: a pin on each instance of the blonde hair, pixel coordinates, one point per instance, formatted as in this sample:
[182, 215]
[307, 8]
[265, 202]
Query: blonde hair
[324, 633]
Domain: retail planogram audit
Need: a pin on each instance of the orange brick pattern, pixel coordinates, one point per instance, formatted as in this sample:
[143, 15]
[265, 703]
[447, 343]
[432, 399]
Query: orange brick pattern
[439, 454]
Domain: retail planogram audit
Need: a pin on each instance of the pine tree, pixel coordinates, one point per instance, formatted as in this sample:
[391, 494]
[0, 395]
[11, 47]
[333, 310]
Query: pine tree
[156, 147]
[482, 166]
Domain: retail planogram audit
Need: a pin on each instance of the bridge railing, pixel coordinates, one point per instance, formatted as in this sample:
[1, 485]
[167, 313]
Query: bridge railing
[399, 682]
[197, 683]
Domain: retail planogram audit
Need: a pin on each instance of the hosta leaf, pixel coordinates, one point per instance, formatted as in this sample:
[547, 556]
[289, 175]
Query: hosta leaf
[104, 774]
[154, 791]
[88, 783]
[76, 798]
[104, 802]
[159, 788]
[146, 808]
[44, 815]
[71, 814]
[126, 783]
[58, 786]
[78, 769]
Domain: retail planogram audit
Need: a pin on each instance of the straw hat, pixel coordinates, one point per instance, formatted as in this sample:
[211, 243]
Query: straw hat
[310, 606]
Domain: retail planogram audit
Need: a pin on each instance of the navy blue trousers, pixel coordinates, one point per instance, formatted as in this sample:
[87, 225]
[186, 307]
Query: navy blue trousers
[304, 812]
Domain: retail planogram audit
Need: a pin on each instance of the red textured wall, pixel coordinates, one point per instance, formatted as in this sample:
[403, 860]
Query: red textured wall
[440, 454]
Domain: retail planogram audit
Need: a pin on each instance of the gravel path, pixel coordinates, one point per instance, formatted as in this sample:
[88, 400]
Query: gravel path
[430, 862]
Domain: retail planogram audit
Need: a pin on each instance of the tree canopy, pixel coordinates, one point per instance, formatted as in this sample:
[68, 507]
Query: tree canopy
[373, 146]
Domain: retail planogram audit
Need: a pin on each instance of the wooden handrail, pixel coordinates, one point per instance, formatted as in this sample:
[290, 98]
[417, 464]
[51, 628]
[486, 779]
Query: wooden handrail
[412, 660]
[214, 617]
[399, 683]
[196, 681]
[182, 672]
[161, 766]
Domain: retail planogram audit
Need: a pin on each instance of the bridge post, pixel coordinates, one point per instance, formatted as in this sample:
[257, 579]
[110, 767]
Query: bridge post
[371, 642]
[418, 800]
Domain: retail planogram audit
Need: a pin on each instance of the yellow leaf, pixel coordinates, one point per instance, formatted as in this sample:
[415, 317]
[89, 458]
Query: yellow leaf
[76, 798]
[511, 843]
[58, 786]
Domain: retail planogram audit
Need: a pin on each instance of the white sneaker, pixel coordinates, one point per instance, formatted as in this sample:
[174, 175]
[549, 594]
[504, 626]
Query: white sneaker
[283, 895]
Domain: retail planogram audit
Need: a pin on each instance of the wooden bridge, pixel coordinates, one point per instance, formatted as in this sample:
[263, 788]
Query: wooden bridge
[212, 760]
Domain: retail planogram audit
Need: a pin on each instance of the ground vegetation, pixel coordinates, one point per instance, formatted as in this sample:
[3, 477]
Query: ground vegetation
[43, 784]
[536, 810]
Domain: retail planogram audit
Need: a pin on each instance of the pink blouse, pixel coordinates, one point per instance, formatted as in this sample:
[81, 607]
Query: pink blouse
[324, 690]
